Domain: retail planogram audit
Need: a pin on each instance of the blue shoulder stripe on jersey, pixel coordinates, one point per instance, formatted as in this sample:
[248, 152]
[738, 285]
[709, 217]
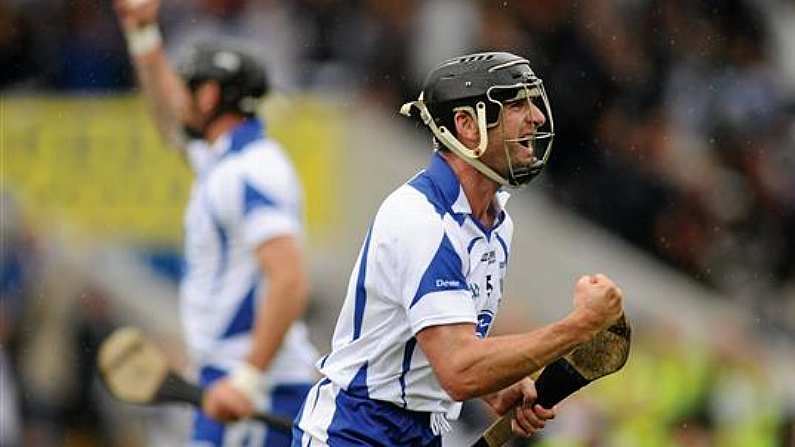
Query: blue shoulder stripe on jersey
[243, 319]
[248, 131]
[439, 184]
[504, 246]
[443, 273]
[424, 184]
[254, 199]
[444, 178]
[407, 353]
[361, 290]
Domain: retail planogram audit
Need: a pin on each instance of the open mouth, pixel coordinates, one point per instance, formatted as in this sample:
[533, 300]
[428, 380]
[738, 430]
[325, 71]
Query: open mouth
[525, 141]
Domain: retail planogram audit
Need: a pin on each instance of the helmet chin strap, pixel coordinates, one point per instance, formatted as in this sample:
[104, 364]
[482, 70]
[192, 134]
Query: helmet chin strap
[446, 137]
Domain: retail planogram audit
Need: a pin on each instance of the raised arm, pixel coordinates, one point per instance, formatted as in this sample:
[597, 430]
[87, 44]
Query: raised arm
[167, 96]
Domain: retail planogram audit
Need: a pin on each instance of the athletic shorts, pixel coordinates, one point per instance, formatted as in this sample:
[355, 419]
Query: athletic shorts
[333, 417]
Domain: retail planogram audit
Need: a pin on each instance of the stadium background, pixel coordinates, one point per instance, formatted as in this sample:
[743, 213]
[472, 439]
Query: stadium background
[673, 171]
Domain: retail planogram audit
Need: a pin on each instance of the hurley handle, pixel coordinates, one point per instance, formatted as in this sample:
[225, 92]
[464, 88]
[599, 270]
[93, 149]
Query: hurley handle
[558, 381]
[177, 389]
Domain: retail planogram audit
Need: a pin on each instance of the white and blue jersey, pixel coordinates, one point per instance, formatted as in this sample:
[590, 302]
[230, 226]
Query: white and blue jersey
[246, 192]
[425, 261]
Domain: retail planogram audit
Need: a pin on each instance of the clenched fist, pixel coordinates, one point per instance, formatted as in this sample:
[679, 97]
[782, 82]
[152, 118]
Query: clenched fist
[598, 302]
[223, 402]
[135, 14]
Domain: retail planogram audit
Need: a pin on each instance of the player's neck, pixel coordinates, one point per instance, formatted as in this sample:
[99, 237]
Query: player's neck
[222, 125]
[478, 188]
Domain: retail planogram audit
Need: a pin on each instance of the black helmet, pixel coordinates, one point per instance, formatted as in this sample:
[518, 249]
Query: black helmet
[480, 83]
[242, 79]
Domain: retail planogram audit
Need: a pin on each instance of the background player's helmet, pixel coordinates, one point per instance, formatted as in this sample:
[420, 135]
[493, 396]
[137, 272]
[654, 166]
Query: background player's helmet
[242, 79]
[480, 84]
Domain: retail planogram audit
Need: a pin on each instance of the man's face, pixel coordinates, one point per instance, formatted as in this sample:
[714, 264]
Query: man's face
[201, 107]
[511, 138]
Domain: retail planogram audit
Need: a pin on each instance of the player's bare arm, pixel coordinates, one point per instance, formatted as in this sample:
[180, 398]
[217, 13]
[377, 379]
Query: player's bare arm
[166, 94]
[284, 301]
[469, 367]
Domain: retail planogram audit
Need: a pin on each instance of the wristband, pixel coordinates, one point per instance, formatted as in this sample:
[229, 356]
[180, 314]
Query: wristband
[143, 40]
[247, 379]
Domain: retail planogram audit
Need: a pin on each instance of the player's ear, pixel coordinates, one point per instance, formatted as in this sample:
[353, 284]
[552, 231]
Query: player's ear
[466, 127]
[208, 97]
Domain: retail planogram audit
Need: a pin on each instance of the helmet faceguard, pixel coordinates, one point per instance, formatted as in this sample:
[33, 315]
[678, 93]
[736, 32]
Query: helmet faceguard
[481, 84]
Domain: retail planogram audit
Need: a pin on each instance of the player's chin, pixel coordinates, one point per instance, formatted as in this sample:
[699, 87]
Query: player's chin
[524, 159]
[524, 154]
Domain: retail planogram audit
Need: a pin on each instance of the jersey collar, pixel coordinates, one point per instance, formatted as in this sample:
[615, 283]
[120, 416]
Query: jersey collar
[453, 194]
[239, 137]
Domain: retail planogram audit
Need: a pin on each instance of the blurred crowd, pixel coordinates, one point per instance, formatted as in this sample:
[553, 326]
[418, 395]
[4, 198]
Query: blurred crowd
[677, 393]
[675, 128]
[52, 319]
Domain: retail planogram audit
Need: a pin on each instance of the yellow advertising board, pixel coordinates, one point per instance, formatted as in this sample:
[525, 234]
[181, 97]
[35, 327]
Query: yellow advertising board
[96, 164]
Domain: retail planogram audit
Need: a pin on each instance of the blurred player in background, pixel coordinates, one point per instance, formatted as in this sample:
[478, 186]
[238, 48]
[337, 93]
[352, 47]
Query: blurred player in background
[245, 285]
[410, 342]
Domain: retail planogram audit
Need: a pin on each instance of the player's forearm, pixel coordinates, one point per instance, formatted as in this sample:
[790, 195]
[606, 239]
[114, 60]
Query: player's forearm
[481, 367]
[284, 302]
[166, 94]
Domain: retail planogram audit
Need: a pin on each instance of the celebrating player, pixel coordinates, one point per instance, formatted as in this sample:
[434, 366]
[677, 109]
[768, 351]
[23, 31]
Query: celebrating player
[410, 343]
[245, 284]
